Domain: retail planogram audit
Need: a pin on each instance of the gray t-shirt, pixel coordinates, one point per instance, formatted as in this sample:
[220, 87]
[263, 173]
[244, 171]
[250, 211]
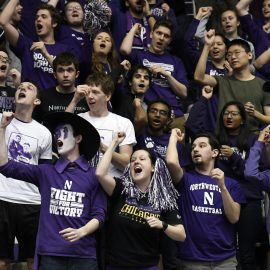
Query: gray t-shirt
[231, 89]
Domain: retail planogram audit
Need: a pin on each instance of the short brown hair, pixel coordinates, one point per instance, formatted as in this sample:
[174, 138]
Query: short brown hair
[102, 80]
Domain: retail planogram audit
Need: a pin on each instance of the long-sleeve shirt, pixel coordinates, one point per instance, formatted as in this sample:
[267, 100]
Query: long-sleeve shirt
[70, 197]
[252, 172]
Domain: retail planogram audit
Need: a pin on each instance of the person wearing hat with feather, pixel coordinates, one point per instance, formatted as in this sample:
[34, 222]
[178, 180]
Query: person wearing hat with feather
[73, 204]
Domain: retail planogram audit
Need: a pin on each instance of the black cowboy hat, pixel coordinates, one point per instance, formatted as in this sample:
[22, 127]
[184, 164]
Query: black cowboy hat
[90, 138]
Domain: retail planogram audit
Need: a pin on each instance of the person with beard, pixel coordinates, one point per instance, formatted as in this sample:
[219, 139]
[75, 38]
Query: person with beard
[169, 76]
[236, 141]
[143, 207]
[36, 56]
[209, 204]
[73, 204]
[131, 13]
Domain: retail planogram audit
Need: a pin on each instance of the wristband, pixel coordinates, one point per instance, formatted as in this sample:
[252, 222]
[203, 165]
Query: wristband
[164, 226]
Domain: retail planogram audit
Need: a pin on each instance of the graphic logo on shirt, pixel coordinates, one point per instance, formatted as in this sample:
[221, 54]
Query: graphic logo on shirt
[136, 212]
[6, 103]
[214, 72]
[65, 202]
[41, 62]
[208, 198]
[242, 154]
[21, 148]
[159, 79]
[160, 150]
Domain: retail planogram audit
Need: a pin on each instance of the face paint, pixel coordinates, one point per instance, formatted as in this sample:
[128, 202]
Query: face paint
[65, 139]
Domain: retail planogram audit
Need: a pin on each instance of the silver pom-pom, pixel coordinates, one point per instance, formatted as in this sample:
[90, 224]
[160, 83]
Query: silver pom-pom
[162, 194]
[97, 15]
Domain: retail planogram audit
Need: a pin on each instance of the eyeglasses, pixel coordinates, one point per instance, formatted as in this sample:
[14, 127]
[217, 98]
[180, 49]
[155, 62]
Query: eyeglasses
[232, 113]
[236, 53]
[161, 112]
[4, 59]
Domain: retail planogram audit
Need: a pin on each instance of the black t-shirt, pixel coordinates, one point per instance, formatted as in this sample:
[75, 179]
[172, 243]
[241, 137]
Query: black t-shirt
[7, 98]
[130, 241]
[53, 101]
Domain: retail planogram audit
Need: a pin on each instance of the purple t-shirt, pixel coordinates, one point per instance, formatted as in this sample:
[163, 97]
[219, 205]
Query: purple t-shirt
[252, 172]
[209, 234]
[122, 22]
[160, 88]
[159, 145]
[35, 66]
[81, 48]
[27, 23]
[70, 197]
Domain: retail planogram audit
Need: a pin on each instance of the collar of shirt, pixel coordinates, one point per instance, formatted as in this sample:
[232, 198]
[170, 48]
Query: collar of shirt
[62, 164]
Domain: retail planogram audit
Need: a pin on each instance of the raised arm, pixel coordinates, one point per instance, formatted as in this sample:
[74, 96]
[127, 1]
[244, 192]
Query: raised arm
[242, 7]
[200, 74]
[177, 87]
[105, 179]
[80, 93]
[263, 59]
[126, 46]
[198, 113]
[5, 121]
[252, 164]
[11, 33]
[231, 208]
[53, 2]
[140, 117]
[172, 158]
[263, 118]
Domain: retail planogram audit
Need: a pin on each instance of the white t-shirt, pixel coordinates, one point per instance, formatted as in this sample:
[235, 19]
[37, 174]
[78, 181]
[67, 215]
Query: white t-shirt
[26, 143]
[107, 126]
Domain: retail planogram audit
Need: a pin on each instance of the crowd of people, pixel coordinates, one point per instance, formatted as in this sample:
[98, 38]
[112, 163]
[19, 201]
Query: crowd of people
[128, 141]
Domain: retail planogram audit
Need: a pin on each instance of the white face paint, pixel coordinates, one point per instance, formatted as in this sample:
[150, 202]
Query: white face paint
[65, 139]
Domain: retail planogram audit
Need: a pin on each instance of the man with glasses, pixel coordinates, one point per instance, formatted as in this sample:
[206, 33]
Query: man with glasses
[242, 85]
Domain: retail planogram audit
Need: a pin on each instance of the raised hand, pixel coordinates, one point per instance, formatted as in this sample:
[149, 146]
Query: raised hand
[209, 37]
[178, 134]
[207, 91]
[6, 119]
[264, 135]
[218, 175]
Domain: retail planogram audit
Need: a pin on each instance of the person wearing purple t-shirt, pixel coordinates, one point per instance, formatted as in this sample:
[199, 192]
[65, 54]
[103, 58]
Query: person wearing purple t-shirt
[72, 202]
[252, 170]
[72, 33]
[37, 56]
[154, 137]
[122, 21]
[169, 76]
[209, 204]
